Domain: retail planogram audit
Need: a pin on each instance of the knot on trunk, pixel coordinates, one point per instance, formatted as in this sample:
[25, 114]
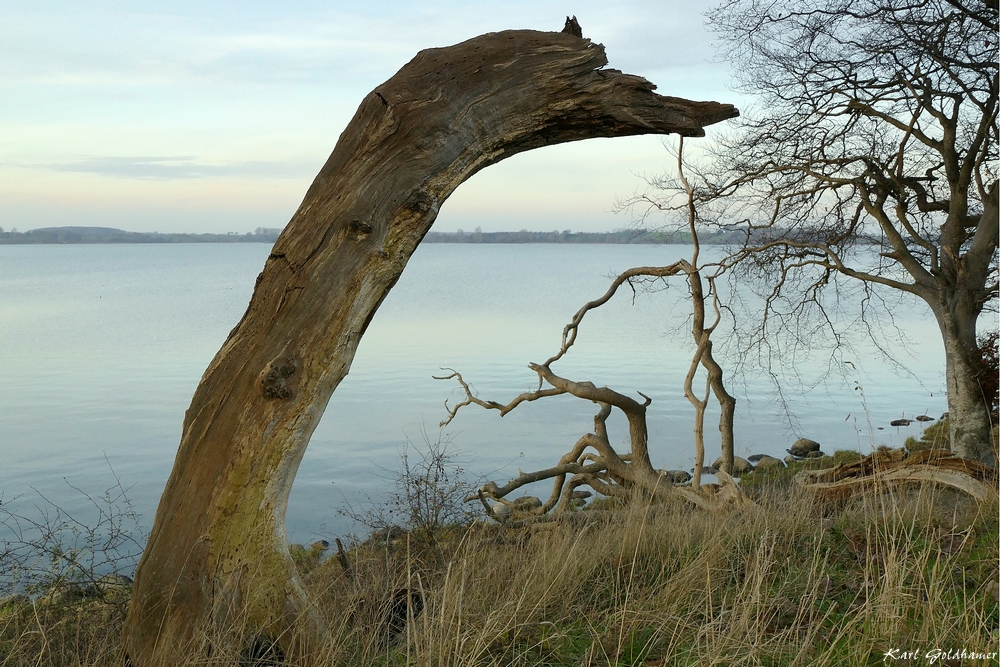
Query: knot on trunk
[360, 229]
[277, 380]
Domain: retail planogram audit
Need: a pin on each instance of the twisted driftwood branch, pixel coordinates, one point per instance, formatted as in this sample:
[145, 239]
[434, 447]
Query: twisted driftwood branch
[607, 472]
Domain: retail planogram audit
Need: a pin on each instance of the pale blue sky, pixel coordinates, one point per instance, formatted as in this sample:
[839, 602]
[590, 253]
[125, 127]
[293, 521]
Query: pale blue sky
[216, 116]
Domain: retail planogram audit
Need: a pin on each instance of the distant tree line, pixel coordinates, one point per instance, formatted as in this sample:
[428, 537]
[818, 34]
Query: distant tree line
[567, 236]
[270, 235]
[111, 235]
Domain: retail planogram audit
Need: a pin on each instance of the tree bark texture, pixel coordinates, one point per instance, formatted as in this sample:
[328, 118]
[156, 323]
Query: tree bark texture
[217, 554]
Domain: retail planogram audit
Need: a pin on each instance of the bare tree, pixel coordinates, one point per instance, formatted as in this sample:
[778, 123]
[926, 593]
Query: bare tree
[871, 161]
[217, 554]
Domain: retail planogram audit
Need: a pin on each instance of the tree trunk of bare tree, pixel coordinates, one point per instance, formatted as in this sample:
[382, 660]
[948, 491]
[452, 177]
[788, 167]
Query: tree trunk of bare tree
[216, 575]
[960, 289]
[968, 408]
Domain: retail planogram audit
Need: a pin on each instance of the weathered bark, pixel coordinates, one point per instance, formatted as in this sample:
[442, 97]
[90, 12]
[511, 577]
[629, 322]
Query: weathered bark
[217, 552]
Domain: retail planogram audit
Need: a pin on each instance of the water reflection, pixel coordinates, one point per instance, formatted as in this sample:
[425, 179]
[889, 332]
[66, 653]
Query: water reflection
[110, 342]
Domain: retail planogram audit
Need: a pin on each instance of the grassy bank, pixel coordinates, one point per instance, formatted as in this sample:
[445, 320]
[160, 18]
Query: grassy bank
[790, 581]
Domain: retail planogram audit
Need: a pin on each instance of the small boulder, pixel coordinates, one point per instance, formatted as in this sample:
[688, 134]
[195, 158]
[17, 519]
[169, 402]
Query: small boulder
[500, 510]
[899, 422]
[113, 587]
[815, 455]
[527, 503]
[924, 418]
[740, 466]
[802, 447]
[580, 495]
[69, 592]
[679, 476]
[319, 545]
[753, 458]
[114, 584]
[789, 459]
[766, 462]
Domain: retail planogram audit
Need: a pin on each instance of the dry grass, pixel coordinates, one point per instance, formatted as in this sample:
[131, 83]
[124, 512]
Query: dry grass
[788, 582]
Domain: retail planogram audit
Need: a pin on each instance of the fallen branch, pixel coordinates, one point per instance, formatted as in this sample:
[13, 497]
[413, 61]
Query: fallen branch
[936, 466]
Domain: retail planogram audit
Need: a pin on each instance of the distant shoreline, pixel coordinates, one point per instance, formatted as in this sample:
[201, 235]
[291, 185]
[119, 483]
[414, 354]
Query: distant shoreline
[109, 235]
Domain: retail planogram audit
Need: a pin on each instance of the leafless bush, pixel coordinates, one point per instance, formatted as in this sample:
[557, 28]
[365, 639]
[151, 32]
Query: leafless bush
[55, 549]
[427, 496]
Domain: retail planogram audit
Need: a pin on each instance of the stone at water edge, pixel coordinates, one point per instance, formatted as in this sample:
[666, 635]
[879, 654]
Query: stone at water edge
[114, 585]
[803, 446]
[677, 476]
[766, 462]
[789, 459]
[740, 466]
[527, 503]
[815, 455]
[500, 510]
[68, 592]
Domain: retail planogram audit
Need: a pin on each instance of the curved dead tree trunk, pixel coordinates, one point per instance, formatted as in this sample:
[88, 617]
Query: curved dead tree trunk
[217, 554]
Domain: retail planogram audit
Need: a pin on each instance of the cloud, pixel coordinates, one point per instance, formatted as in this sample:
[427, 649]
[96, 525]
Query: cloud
[179, 167]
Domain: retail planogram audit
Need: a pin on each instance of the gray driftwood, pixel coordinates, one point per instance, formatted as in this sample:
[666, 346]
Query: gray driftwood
[217, 557]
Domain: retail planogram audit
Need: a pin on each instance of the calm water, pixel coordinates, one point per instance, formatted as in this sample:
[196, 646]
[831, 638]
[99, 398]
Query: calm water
[104, 345]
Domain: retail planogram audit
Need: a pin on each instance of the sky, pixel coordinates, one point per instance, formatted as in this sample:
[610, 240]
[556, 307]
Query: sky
[216, 116]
